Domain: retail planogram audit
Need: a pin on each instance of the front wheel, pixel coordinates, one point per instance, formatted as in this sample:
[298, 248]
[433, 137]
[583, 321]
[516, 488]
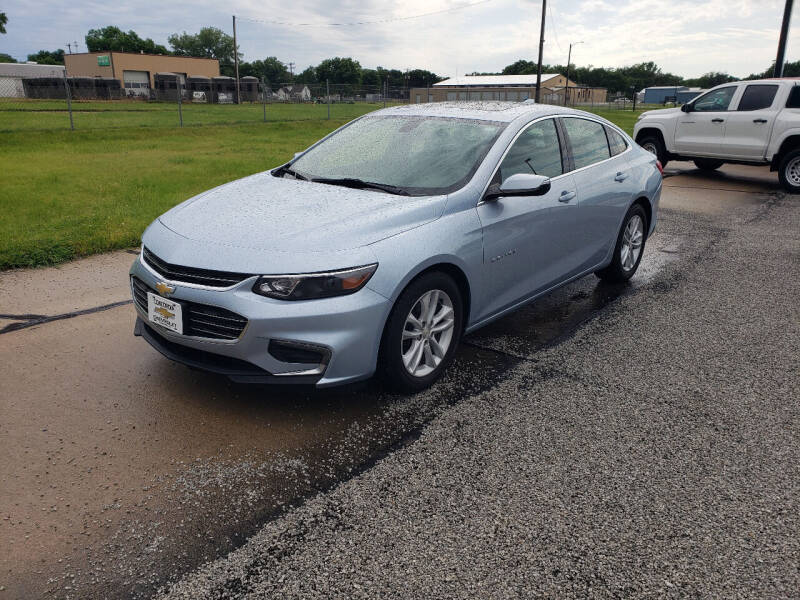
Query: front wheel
[629, 248]
[789, 172]
[708, 164]
[422, 332]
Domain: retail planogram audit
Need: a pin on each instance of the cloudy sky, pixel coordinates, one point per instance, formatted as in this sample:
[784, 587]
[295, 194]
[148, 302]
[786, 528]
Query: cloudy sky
[687, 37]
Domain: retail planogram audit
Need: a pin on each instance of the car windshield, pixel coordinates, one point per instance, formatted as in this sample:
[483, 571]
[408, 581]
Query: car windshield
[415, 155]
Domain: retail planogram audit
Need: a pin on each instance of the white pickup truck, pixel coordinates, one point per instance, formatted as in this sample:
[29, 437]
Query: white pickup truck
[745, 122]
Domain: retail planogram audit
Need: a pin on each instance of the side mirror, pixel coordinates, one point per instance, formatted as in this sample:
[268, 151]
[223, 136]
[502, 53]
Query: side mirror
[687, 108]
[521, 184]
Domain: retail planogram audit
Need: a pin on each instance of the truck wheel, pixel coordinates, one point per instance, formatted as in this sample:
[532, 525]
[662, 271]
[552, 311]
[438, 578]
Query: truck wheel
[708, 164]
[789, 172]
[654, 145]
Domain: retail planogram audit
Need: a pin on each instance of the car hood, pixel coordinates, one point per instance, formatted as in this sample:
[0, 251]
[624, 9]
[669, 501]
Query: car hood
[264, 212]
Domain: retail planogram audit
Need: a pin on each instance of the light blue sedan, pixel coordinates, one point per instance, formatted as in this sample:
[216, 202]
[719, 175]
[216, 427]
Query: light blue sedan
[378, 247]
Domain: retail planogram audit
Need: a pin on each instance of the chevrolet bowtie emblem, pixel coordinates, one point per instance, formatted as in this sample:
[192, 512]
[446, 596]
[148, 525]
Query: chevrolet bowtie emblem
[164, 312]
[164, 289]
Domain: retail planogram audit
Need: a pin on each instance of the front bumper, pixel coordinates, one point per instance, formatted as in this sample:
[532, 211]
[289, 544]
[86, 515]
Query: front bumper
[346, 329]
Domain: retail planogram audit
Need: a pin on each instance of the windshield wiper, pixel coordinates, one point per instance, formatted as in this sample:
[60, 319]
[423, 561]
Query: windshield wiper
[285, 170]
[360, 184]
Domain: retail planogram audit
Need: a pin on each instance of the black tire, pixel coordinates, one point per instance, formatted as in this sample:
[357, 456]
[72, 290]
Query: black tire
[654, 144]
[391, 354]
[789, 172]
[708, 164]
[616, 272]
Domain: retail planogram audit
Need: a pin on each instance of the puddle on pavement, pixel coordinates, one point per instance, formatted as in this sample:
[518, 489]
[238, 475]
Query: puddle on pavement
[548, 319]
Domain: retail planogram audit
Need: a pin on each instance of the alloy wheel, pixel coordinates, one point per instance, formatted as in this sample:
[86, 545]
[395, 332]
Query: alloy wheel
[631, 246]
[427, 333]
[793, 172]
[651, 148]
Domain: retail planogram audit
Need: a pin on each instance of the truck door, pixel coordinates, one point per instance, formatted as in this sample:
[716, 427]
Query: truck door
[700, 132]
[748, 128]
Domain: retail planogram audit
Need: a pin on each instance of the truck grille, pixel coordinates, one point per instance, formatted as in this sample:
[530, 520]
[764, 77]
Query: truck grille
[199, 320]
[206, 277]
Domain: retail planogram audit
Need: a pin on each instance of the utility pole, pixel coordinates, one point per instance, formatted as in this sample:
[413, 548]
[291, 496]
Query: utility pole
[69, 47]
[236, 59]
[541, 49]
[780, 60]
[291, 70]
[569, 58]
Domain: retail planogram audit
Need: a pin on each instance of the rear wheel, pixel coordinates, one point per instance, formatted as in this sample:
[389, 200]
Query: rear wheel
[789, 172]
[654, 145]
[422, 332]
[629, 248]
[708, 164]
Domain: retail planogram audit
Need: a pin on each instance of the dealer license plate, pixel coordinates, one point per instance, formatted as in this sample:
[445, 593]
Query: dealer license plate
[166, 313]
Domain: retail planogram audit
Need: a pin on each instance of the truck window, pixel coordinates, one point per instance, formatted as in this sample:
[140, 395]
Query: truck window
[757, 97]
[794, 98]
[715, 101]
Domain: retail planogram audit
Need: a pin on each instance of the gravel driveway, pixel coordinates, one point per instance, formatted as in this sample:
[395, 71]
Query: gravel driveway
[653, 454]
[606, 441]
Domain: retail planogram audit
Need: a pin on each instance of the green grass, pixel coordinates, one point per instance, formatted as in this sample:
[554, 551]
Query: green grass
[17, 114]
[624, 119]
[68, 194]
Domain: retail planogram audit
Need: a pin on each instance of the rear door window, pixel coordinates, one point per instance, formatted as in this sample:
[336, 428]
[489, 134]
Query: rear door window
[757, 97]
[794, 98]
[588, 141]
[616, 142]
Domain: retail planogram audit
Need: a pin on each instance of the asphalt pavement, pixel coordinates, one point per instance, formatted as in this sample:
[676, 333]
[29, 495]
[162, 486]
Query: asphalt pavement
[606, 441]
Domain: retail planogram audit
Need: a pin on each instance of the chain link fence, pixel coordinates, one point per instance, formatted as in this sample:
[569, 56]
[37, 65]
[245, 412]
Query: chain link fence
[87, 103]
[171, 100]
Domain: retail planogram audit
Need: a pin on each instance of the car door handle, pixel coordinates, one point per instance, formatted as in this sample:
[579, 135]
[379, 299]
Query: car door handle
[620, 176]
[566, 196]
[759, 120]
[717, 120]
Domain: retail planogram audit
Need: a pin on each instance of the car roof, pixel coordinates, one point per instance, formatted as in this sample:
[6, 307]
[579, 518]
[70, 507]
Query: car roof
[504, 112]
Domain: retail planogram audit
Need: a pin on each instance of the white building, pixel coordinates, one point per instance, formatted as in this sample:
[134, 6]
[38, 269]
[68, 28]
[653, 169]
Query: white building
[12, 74]
[294, 92]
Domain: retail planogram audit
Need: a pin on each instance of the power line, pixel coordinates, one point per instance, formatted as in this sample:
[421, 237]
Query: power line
[555, 27]
[378, 21]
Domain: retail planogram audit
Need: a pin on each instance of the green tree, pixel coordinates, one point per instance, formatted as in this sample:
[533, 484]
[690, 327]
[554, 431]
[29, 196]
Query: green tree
[3, 22]
[790, 69]
[613, 79]
[396, 77]
[209, 42]
[339, 70]
[710, 80]
[112, 38]
[270, 68]
[7, 58]
[48, 57]
[307, 76]
[370, 78]
[422, 78]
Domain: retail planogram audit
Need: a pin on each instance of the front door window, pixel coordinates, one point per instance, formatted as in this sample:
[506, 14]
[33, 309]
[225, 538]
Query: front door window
[715, 101]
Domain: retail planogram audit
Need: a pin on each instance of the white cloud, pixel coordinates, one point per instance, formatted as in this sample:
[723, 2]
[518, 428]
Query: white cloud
[685, 37]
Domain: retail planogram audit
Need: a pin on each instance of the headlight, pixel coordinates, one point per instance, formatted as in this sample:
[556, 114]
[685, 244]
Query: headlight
[314, 285]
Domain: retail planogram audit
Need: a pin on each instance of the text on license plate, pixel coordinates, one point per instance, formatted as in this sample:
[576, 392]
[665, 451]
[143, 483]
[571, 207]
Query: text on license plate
[166, 313]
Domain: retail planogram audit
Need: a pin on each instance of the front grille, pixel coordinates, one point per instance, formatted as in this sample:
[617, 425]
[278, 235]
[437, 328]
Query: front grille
[191, 274]
[199, 320]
